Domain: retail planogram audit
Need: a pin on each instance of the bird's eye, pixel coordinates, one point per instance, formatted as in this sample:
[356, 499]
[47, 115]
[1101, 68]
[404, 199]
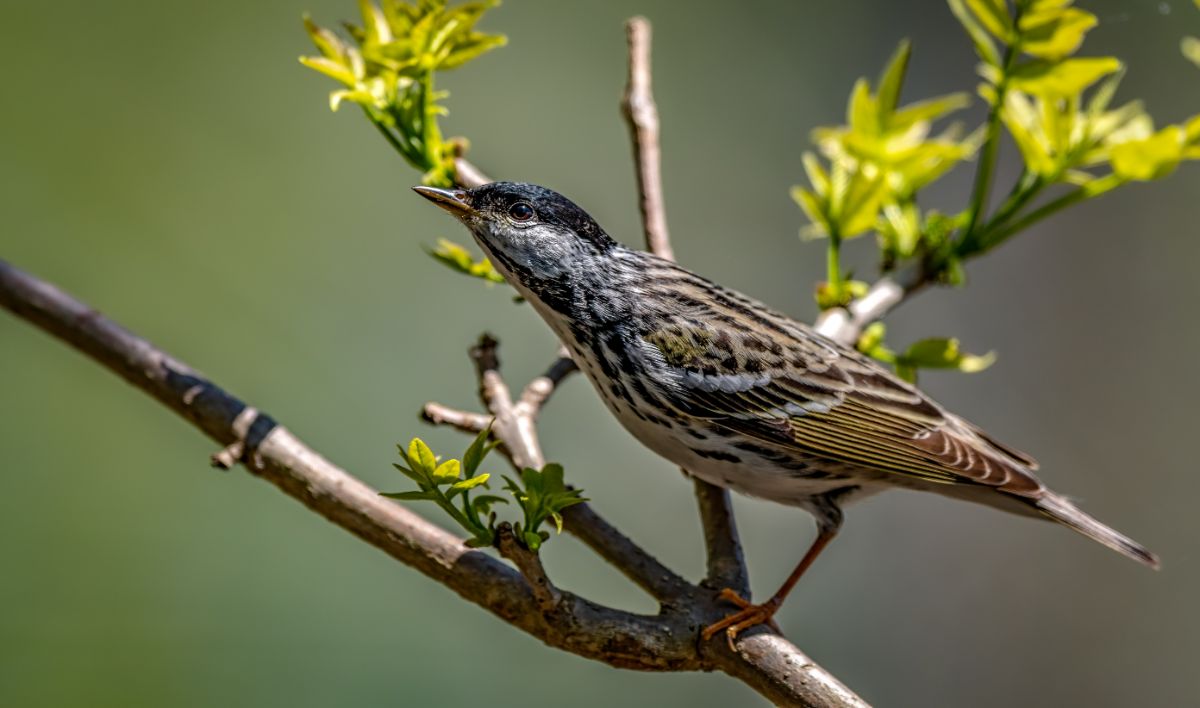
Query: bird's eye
[520, 211]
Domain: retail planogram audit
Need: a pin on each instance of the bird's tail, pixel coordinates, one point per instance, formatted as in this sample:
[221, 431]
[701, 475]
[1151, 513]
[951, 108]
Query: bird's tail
[1063, 511]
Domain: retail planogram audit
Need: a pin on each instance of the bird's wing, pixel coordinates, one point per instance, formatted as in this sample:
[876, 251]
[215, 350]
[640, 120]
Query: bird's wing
[784, 385]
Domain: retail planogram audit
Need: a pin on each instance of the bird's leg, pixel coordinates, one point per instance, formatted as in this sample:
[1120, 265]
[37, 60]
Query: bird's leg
[751, 614]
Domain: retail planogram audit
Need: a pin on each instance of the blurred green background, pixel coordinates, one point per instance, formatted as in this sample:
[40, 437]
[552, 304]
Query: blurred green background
[171, 164]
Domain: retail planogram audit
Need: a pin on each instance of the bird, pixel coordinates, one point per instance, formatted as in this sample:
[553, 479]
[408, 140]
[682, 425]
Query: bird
[737, 394]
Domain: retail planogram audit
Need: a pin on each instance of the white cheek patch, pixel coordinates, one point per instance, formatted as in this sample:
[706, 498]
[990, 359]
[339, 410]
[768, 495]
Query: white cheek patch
[545, 251]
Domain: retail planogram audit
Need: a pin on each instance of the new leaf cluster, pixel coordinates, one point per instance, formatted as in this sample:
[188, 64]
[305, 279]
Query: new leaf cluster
[1056, 107]
[387, 66]
[541, 494]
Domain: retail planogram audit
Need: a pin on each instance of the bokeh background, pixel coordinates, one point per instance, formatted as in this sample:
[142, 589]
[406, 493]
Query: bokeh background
[173, 165]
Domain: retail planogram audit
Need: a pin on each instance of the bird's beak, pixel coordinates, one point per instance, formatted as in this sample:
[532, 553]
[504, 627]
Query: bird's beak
[452, 200]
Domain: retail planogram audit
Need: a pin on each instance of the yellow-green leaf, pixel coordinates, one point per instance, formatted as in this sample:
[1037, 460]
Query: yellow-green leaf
[1057, 35]
[1021, 120]
[862, 113]
[448, 471]
[817, 176]
[813, 209]
[860, 208]
[465, 484]
[1065, 78]
[327, 42]
[1190, 46]
[979, 37]
[927, 110]
[1149, 158]
[419, 455]
[1192, 127]
[993, 14]
[331, 68]
[892, 79]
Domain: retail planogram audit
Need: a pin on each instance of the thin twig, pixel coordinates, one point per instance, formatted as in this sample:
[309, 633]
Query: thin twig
[846, 324]
[725, 560]
[538, 391]
[466, 421]
[468, 175]
[641, 113]
[515, 429]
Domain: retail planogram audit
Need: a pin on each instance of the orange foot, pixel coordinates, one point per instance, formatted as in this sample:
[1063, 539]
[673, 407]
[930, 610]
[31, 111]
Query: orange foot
[748, 616]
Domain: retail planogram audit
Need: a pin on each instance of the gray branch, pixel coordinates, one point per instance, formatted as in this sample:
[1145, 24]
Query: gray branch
[641, 113]
[845, 324]
[726, 565]
[665, 642]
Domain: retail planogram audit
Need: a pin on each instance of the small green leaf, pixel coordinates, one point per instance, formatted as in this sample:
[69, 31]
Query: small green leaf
[862, 114]
[331, 68]
[532, 540]
[1190, 46]
[984, 46]
[1192, 130]
[944, 353]
[860, 208]
[871, 343]
[478, 450]
[817, 176]
[993, 15]
[447, 472]
[1065, 78]
[892, 79]
[465, 484]
[471, 49]
[483, 503]
[973, 363]
[552, 476]
[814, 209]
[928, 110]
[418, 478]
[1057, 34]
[1150, 158]
[421, 457]
[409, 496]
[458, 258]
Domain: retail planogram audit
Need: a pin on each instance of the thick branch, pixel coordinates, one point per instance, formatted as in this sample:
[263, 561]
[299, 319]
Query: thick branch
[667, 642]
[272, 452]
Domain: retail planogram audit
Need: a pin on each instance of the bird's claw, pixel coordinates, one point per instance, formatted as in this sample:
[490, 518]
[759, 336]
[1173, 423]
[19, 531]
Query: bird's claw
[746, 617]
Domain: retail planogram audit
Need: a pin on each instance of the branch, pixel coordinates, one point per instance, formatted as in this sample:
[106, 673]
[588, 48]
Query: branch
[272, 452]
[726, 565]
[513, 426]
[666, 642]
[468, 175]
[846, 324]
[641, 113]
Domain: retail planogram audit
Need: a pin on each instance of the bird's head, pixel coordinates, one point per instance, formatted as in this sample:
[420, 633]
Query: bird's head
[531, 233]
